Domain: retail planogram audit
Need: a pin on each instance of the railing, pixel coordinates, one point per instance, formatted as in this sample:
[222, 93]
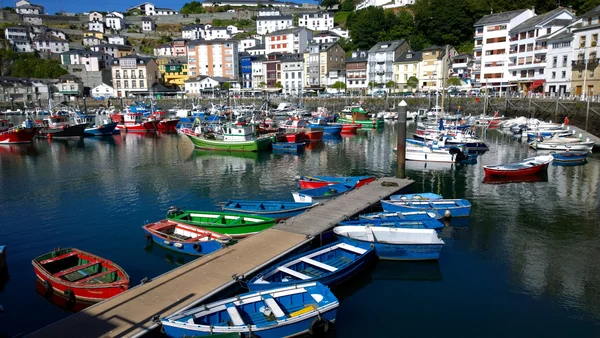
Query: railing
[513, 52]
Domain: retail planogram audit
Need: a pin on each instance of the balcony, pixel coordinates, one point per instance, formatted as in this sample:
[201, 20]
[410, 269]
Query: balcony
[514, 51]
[538, 61]
[478, 34]
[514, 38]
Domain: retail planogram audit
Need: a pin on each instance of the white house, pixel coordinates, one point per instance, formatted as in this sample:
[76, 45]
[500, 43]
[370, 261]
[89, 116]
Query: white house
[257, 50]
[103, 91]
[148, 8]
[57, 33]
[492, 44]
[216, 32]
[91, 41]
[147, 24]
[268, 12]
[193, 32]
[559, 59]
[26, 7]
[95, 16]
[381, 57]
[206, 84]
[321, 21]
[18, 36]
[164, 50]
[384, 3]
[247, 43]
[340, 31]
[259, 71]
[267, 24]
[50, 43]
[291, 40]
[96, 26]
[292, 67]
[325, 37]
[114, 20]
[92, 61]
[117, 39]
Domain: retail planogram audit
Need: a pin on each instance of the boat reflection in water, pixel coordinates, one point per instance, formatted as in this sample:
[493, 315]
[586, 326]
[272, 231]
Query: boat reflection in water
[568, 164]
[396, 270]
[315, 146]
[515, 179]
[332, 138]
[429, 166]
[18, 149]
[256, 156]
[57, 300]
[173, 259]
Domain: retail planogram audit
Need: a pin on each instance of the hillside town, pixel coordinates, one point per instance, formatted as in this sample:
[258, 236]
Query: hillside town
[517, 52]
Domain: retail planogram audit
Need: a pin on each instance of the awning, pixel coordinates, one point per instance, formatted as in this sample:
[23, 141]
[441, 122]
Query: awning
[537, 83]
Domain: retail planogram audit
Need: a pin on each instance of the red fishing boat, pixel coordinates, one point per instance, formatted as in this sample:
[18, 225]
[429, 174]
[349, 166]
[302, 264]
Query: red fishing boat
[529, 166]
[296, 137]
[314, 134]
[24, 133]
[78, 276]
[350, 128]
[133, 122]
[312, 182]
[164, 122]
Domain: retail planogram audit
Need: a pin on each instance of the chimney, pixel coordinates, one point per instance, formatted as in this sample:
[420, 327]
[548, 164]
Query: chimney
[533, 9]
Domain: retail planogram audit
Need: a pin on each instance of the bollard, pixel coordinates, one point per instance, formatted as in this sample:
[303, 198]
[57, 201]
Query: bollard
[401, 145]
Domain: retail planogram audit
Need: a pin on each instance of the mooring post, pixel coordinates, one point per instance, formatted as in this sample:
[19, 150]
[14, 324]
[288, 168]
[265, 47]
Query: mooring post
[401, 144]
[84, 105]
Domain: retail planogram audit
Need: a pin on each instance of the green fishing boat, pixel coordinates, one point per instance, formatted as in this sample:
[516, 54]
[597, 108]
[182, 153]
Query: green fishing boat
[235, 137]
[360, 116]
[233, 225]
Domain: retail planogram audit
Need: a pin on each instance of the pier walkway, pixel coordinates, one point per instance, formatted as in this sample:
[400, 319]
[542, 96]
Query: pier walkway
[131, 313]
[585, 134]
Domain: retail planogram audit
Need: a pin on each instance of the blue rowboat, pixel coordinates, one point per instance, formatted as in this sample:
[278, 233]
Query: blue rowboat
[311, 182]
[107, 128]
[393, 243]
[402, 216]
[274, 313]
[322, 193]
[448, 208]
[420, 196]
[288, 147]
[185, 238]
[327, 128]
[329, 265]
[422, 224]
[272, 209]
[570, 156]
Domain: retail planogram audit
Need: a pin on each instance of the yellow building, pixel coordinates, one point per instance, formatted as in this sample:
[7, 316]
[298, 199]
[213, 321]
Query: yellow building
[174, 71]
[96, 34]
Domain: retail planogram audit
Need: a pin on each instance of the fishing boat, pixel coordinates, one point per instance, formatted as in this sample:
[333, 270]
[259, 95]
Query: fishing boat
[327, 127]
[23, 133]
[78, 276]
[235, 137]
[329, 265]
[285, 147]
[279, 312]
[360, 116]
[393, 243]
[133, 122]
[348, 128]
[419, 196]
[59, 125]
[528, 166]
[164, 123]
[184, 238]
[233, 225]
[575, 146]
[570, 156]
[311, 182]
[431, 223]
[271, 209]
[314, 134]
[432, 154]
[448, 208]
[401, 216]
[106, 128]
[323, 193]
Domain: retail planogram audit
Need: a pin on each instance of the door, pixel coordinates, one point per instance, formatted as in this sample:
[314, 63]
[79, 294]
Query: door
[578, 90]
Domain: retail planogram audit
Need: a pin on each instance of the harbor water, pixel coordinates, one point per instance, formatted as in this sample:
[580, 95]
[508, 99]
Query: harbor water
[524, 264]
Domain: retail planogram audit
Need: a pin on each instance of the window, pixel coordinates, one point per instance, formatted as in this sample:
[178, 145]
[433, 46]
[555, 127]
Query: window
[117, 74]
[553, 75]
[118, 84]
[133, 84]
[554, 61]
[514, 73]
[141, 74]
[563, 75]
[126, 83]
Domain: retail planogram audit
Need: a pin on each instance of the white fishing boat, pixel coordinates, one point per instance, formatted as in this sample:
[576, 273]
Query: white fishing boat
[578, 146]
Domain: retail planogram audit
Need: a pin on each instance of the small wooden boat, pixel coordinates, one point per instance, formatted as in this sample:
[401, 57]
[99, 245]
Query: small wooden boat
[390, 223]
[402, 216]
[393, 243]
[323, 193]
[285, 147]
[448, 208]
[271, 209]
[420, 196]
[329, 265]
[184, 238]
[570, 156]
[274, 313]
[79, 276]
[312, 182]
[233, 225]
[528, 166]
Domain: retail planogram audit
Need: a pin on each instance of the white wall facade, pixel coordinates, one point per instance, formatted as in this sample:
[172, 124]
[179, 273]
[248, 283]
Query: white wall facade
[291, 76]
[269, 24]
[316, 21]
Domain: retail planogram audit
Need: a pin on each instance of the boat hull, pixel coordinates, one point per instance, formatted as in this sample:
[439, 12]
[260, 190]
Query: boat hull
[314, 135]
[70, 131]
[105, 129]
[364, 124]
[399, 252]
[282, 213]
[350, 128]
[442, 157]
[143, 127]
[295, 137]
[323, 181]
[448, 211]
[285, 147]
[167, 125]
[328, 129]
[206, 220]
[21, 135]
[251, 146]
[518, 172]
[194, 249]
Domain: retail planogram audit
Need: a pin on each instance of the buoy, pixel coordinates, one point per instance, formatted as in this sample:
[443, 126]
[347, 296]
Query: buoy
[319, 325]
[447, 214]
[69, 294]
[49, 135]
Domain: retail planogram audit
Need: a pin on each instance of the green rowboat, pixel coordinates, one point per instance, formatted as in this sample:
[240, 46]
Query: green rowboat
[233, 225]
[365, 124]
[252, 145]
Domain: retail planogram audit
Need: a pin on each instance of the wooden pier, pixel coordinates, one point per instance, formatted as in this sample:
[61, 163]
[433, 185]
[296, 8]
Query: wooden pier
[131, 313]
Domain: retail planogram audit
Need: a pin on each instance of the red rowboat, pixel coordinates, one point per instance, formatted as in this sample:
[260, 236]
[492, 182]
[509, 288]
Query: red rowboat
[314, 135]
[24, 133]
[350, 128]
[78, 276]
[297, 137]
[309, 182]
[529, 166]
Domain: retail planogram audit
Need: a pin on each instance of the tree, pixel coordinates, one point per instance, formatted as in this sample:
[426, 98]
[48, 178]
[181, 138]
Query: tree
[226, 85]
[262, 84]
[412, 82]
[372, 85]
[277, 85]
[339, 85]
[454, 81]
[347, 6]
[390, 85]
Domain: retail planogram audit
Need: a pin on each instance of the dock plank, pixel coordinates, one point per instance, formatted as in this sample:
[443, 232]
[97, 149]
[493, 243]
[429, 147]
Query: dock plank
[131, 312]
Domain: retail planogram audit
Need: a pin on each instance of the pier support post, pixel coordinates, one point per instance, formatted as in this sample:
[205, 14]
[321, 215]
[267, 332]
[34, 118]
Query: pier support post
[587, 113]
[401, 144]
[84, 105]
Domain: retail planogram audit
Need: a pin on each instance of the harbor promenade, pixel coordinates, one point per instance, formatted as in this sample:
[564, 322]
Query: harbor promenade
[131, 313]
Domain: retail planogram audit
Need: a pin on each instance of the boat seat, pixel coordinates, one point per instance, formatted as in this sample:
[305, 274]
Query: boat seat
[97, 275]
[293, 273]
[351, 248]
[236, 319]
[272, 304]
[67, 255]
[318, 264]
[76, 268]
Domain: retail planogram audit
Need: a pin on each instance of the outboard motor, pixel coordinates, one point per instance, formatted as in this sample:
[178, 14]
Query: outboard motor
[173, 211]
[460, 156]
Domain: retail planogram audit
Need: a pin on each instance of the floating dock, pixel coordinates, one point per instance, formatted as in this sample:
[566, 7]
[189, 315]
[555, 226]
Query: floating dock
[131, 313]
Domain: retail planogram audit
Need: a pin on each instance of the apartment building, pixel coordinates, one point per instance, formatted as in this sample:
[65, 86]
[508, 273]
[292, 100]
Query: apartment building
[133, 75]
[267, 24]
[585, 78]
[559, 61]
[90, 60]
[461, 67]
[381, 59]
[213, 58]
[356, 70]
[25, 89]
[492, 45]
[434, 66]
[292, 67]
[245, 69]
[321, 21]
[69, 87]
[258, 71]
[26, 7]
[47, 43]
[115, 20]
[319, 60]
[272, 67]
[407, 65]
[173, 71]
[18, 36]
[290, 40]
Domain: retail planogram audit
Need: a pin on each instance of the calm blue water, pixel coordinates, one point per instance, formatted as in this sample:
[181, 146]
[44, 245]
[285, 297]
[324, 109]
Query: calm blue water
[524, 264]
